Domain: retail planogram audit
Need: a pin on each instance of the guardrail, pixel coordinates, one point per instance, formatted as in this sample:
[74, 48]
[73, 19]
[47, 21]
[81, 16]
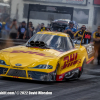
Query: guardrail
[4, 43]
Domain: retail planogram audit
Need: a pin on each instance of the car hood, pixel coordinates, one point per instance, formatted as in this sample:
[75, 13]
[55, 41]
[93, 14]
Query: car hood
[27, 55]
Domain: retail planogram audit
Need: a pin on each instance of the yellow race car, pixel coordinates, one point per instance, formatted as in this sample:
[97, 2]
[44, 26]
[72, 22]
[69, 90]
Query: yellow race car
[47, 56]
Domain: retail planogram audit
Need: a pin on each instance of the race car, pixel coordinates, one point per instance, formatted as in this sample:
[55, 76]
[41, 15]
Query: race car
[47, 56]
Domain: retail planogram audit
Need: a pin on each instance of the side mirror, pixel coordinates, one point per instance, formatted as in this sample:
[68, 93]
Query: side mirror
[78, 42]
[75, 41]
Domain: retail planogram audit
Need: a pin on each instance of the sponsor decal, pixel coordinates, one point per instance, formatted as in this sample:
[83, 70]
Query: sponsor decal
[22, 30]
[60, 77]
[18, 64]
[71, 57]
[5, 51]
[90, 49]
[15, 76]
[29, 52]
[70, 60]
[87, 36]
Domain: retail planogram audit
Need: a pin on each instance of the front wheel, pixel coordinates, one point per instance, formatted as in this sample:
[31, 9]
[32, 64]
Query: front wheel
[80, 72]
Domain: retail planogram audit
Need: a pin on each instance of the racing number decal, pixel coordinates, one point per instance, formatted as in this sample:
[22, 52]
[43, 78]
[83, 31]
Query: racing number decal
[90, 50]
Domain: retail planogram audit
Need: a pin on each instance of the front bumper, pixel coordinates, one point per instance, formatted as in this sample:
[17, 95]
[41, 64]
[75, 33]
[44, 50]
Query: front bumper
[24, 74]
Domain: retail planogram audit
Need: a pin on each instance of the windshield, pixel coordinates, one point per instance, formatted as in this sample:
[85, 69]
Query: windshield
[53, 41]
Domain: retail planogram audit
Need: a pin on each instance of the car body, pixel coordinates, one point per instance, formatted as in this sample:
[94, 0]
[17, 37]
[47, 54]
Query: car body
[47, 56]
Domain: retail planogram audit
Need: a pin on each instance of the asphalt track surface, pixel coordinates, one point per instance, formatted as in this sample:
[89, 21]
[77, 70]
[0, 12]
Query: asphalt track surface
[85, 88]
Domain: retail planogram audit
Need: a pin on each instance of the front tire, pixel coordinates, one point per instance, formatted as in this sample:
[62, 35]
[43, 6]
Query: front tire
[80, 72]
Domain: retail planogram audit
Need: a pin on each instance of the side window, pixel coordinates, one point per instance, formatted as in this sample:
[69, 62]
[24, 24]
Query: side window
[61, 43]
[71, 42]
[68, 44]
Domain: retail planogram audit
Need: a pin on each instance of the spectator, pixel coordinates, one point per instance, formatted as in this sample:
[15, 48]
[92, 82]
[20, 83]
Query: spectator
[42, 25]
[0, 28]
[48, 27]
[93, 33]
[84, 35]
[96, 39]
[22, 31]
[7, 29]
[70, 30]
[31, 29]
[38, 28]
[14, 28]
[43, 28]
[80, 32]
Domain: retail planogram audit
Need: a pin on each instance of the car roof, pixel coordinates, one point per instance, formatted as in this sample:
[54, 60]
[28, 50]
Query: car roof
[54, 33]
